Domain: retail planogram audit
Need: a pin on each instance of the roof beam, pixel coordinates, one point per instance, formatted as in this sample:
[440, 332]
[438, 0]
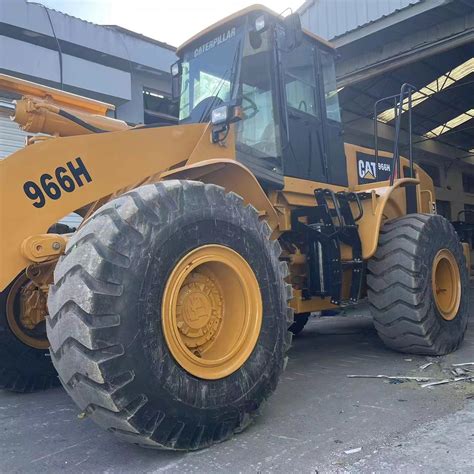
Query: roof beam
[441, 83]
[413, 47]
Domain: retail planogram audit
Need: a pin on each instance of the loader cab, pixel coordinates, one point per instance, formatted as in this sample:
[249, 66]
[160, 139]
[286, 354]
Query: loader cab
[283, 83]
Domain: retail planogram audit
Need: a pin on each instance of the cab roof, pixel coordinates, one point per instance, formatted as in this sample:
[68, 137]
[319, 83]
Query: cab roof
[244, 12]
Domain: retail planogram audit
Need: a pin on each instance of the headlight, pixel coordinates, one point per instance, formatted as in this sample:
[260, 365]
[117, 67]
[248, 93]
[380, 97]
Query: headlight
[260, 23]
[220, 115]
[175, 69]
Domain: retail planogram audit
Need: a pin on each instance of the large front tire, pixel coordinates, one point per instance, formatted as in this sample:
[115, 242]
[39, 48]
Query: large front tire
[135, 330]
[418, 286]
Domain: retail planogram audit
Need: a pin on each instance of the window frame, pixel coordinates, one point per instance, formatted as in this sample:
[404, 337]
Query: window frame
[168, 119]
[314, 87]
[469, 177]
[448, 204]
[322, 53]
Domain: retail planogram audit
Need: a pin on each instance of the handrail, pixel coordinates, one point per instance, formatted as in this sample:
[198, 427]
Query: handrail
[406, 92]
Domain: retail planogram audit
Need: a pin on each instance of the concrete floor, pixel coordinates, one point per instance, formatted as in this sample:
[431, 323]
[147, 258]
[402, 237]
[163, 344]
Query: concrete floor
[316, 414]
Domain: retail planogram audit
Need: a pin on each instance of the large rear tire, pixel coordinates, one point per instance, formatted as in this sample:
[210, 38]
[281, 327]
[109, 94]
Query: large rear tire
[418, 286]
[144, 315]
[23, 367]
[299, 323]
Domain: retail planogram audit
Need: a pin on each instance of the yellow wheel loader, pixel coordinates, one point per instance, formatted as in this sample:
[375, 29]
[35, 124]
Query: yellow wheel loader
[167, 312]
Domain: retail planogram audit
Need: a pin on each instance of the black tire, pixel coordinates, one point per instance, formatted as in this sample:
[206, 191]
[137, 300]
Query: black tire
[22, 368]
[400, 291]
[299, 323]
[104, 326]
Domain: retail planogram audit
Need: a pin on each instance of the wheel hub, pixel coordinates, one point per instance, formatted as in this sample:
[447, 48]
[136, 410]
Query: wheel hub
[199, 311]
[211, 312]
[33, 306]
[26, 310]
[446, 284]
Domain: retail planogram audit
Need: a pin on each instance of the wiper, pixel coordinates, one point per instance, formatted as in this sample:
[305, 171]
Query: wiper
[214, 95]
[216, 92]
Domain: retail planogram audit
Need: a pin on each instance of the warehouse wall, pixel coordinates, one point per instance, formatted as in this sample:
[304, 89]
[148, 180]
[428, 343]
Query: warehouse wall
[107, 63]
[132, 111]
[451, 189]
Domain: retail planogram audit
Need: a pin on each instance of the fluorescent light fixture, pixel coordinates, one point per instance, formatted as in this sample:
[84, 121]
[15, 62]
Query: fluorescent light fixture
[438, 85]
[450, 125]
[154, 94]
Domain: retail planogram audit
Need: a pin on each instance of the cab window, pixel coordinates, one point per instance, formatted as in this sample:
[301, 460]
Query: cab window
[300, 80]
[330, 88]
[257, 132]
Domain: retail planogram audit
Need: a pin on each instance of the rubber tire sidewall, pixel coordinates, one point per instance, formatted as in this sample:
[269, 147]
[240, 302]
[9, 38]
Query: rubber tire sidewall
[439, 234]
[265, 361]
[164, 223]
[436, 335]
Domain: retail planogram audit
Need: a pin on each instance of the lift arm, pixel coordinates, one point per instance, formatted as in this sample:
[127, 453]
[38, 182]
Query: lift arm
[43, 109]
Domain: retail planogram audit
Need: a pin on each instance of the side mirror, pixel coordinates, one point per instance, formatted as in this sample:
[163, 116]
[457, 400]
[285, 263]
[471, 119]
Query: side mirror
[293, 31]
[176, 73]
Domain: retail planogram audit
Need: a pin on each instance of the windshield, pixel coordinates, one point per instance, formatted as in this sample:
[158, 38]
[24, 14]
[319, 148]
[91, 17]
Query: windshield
[234, 66]
[209, 75]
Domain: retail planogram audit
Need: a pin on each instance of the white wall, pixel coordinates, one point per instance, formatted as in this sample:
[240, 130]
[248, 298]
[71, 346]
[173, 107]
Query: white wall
[451, 185]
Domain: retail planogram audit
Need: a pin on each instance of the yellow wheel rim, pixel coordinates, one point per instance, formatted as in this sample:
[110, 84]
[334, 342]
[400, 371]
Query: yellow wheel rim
[211, 312]
[446, 282]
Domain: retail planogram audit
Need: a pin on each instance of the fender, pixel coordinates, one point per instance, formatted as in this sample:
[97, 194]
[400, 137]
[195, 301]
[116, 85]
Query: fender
[232, 176]
[388, 202]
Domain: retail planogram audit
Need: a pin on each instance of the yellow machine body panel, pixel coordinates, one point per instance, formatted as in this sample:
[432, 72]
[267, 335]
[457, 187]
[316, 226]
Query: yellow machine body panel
[106, 163]
[80, 169]
[109, 163]
[243, 12]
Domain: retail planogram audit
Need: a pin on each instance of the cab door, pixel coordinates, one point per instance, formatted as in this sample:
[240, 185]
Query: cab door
[331, 118]
[303, 144]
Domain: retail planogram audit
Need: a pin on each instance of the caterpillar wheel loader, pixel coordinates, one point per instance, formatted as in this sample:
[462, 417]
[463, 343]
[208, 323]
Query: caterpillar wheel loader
[167, 312]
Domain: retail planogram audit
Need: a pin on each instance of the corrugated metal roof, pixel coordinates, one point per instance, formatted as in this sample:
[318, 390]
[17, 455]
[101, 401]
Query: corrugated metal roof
[121, 29]
[332, 18]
